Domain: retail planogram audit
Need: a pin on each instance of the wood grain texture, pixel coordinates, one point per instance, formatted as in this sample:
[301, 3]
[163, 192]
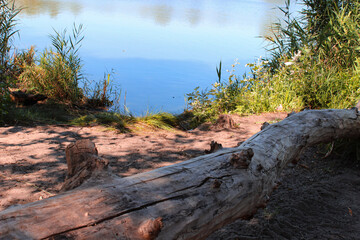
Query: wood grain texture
[83, 163]
[188, 200]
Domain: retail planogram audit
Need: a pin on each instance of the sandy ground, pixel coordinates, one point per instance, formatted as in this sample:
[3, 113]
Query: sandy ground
[318, 199]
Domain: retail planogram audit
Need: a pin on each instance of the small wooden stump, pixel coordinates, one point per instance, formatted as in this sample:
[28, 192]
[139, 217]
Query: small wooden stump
[83, 162]
[214, 146]
[264, 125]
[224, 121]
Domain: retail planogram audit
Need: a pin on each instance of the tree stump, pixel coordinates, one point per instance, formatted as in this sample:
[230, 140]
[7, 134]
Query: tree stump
[214, 146]
[224, 122]
[83, 163]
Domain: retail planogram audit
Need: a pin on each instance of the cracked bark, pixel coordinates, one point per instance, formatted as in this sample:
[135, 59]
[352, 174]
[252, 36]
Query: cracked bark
[188, 200]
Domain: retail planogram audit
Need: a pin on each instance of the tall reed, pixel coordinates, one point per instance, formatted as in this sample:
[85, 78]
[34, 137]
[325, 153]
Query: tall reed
[8, 13]
[67, 46]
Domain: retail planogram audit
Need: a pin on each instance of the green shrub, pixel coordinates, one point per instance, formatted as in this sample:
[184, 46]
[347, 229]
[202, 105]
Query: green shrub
[57, 73]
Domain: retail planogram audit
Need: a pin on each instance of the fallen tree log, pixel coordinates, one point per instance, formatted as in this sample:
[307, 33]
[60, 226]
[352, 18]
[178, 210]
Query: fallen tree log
[188, 200]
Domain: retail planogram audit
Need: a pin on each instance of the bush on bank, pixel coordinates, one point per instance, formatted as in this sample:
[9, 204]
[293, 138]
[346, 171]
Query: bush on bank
[314, 62]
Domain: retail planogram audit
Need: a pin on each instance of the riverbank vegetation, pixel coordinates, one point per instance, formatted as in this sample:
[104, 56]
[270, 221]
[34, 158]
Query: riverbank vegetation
[55, 74]
[313, 62]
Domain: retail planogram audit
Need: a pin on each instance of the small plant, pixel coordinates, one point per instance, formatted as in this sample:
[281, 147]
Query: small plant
[222, 97]
[269, 215]
[348, 149]
[21, 60]
[103, 94]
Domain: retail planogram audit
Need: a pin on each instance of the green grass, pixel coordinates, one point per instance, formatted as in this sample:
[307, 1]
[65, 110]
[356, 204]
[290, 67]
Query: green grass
[55, 113]
[160, 120]
[111, 120]
[52, 113]
[123, 122]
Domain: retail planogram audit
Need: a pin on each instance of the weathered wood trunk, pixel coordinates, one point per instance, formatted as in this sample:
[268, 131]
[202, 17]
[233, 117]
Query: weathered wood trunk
[84, 163]
[188, 200]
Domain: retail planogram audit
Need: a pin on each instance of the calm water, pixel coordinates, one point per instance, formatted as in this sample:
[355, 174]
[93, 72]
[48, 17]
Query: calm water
[159, 50]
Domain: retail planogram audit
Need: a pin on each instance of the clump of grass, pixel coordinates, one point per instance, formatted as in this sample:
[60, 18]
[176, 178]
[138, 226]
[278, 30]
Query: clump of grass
[223, 97]
[110, 119]
[103, 94]
[123, 122]
[21, 60]
[190, 119]
[162, 120]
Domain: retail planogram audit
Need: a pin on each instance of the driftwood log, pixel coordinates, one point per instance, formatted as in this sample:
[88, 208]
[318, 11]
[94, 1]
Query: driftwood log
[22, 97]
[188, 200]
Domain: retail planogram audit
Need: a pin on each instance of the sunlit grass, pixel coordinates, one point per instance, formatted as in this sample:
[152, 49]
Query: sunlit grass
[161, 120]
[111, 120]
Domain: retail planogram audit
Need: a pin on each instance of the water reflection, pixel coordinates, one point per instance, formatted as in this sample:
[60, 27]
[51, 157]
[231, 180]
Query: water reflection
[275, 2]
[162, 12]
[51, 7]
